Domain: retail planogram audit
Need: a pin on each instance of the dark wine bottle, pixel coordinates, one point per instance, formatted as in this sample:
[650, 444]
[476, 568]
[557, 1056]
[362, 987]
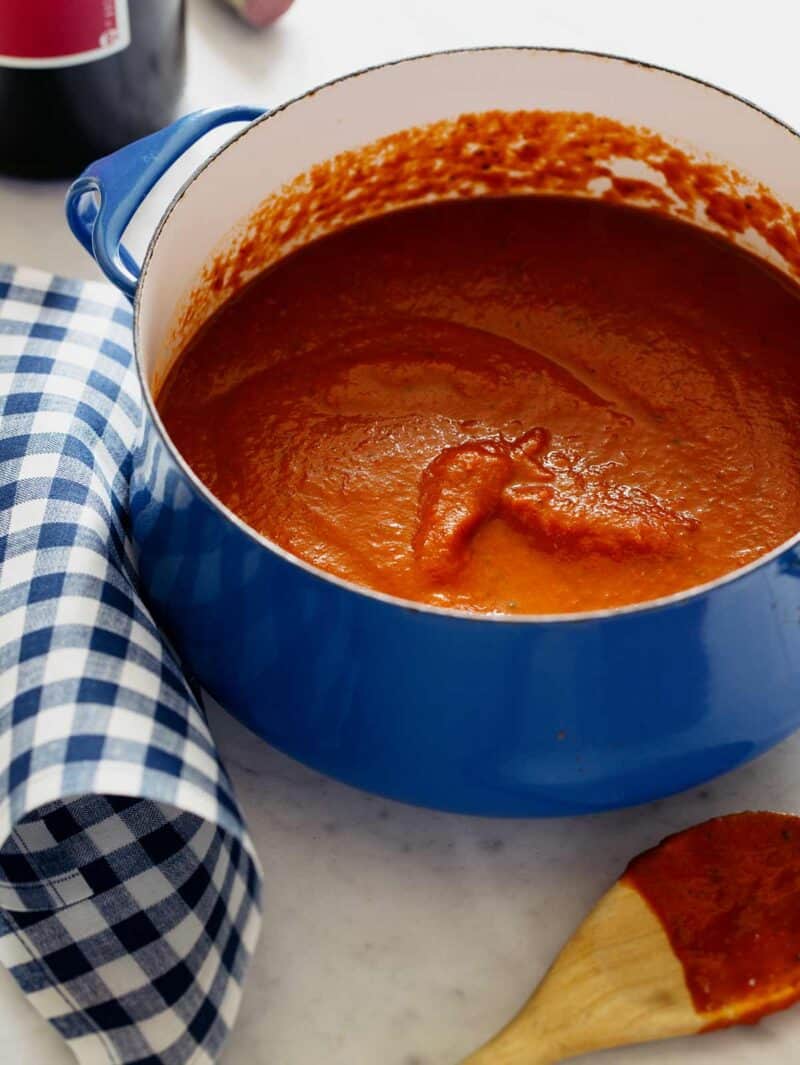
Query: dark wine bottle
[80, 78]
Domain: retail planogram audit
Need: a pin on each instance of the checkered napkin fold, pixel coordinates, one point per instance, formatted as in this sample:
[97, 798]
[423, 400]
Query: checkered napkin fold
[129, 888]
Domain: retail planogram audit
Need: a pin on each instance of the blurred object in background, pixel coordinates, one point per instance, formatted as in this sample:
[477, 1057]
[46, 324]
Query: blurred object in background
[260, 12]
[80, 78]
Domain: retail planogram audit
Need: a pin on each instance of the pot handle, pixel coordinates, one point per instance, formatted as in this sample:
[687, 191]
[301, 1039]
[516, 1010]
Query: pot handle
[103, 200]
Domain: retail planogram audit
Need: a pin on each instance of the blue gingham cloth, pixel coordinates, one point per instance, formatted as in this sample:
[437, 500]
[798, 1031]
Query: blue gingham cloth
[129, 888]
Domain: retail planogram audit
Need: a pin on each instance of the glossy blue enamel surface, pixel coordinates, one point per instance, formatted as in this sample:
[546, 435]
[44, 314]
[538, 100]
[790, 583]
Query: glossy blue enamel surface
[467, 714]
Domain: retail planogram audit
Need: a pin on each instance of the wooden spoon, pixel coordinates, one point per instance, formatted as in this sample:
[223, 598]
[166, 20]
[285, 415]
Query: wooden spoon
[701, 932]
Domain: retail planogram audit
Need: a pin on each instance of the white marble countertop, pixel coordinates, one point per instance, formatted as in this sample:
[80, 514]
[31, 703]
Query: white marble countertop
[392, 935]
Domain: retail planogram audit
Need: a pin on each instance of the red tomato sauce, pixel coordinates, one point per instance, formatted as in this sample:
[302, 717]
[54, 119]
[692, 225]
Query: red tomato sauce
[728, 895]
[527, 404]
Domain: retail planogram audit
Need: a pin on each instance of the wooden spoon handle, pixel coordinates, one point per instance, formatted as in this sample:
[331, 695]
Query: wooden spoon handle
[617, 981]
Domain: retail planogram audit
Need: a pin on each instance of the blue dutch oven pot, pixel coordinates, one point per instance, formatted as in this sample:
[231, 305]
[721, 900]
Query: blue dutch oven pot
[493, 715]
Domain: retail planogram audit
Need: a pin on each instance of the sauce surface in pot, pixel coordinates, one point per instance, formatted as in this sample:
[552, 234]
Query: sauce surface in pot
[513, 405]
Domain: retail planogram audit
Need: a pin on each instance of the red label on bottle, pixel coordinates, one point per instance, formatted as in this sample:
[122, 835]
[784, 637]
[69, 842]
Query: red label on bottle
[61, 33]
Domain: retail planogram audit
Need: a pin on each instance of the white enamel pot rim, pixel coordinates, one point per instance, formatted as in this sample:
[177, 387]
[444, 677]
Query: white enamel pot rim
[670, 601]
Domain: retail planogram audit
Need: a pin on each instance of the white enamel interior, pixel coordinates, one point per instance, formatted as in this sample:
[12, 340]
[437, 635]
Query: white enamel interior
[364, 107]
